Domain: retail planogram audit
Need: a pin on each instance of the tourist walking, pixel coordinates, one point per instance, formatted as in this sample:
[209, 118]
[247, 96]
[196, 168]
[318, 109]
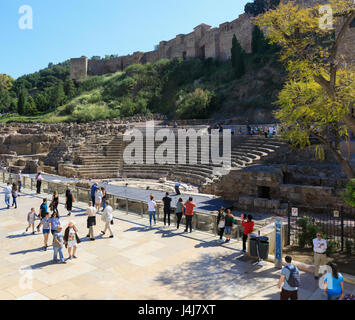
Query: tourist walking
[39, 179]
[248, 229]
[177, 189]
[152, 205]
[104, 198]
[14, 193]
[221, 223]
[71, 239]
[320, 256]
[58, 243]
[334, 283]
[229, 221]
[189, 212]
[91, 221]
[8, 192]
[19, 181]
[98, 199]
[45, 221]
[179, 212]
[94, 187]
[54, 222]
[69, 199]
[107, 218]
[43, 210]
[289, 281]
[31, 217]
[167, 208]
[55, 202]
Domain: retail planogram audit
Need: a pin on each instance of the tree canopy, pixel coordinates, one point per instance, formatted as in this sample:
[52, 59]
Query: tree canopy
[316, 102]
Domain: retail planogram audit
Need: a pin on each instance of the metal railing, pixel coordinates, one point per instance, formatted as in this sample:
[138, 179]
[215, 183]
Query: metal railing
[206, 222]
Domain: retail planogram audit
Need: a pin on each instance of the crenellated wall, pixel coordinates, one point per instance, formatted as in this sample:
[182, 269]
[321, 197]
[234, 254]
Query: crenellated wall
[203, 42]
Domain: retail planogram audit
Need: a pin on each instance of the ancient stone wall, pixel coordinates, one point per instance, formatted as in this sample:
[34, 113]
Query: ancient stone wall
[203, 42]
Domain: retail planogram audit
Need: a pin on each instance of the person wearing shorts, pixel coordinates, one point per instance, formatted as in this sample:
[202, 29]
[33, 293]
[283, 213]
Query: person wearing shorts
[46, 228]
[55, 222]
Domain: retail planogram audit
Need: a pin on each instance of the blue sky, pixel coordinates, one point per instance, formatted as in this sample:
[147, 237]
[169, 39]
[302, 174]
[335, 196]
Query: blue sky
[72, 28]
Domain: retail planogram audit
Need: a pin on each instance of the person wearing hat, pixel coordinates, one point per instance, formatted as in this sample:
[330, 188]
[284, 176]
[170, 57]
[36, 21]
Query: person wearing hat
[320, 257]
[58, 245]
[71, 239]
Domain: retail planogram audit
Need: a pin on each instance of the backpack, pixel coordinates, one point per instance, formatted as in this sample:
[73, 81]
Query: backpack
[294, 279]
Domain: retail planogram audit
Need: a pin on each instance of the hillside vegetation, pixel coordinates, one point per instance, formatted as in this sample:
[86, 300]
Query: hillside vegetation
[244, 87]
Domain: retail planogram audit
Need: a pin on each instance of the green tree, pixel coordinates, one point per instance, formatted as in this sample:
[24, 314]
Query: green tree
[69, 87]
[5, 100]
[22, 101]
[238, 58]
[56, 96]
[41, 101]
[6, 82]
[30, 108]
[194, 105]
[316, 101]
[258, 43]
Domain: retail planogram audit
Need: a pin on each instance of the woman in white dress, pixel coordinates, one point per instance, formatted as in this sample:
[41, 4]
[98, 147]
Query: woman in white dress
[71, 239]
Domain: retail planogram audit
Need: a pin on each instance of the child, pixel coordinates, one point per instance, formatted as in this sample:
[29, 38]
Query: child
[229, 220]
[31, 217]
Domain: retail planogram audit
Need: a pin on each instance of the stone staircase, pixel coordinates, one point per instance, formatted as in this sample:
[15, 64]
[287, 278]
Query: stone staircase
[248, 151]
[99, 157]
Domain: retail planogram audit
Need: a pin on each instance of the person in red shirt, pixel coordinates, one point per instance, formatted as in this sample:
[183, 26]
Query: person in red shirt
[248, 229]
[189, 212]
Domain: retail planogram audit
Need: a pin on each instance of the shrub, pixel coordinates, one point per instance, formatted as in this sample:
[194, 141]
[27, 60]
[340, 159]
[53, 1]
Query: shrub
[349, 247]
[332, 247]
[308, 231]
[195, 104]
[349, 195]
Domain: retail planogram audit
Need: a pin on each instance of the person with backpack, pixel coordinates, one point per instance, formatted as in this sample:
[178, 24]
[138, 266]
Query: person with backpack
[289, 280]
[334, 283]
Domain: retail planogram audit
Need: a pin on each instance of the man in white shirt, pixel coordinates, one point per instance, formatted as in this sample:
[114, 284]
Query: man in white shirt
[107, 218]
[8, 192]
[320, 257]
[91, 213]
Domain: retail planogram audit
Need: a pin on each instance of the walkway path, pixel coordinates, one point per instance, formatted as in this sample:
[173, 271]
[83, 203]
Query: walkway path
[204, 203]
[138, 263]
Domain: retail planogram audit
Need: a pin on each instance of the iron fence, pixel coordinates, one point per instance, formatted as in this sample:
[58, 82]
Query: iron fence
[337, 228]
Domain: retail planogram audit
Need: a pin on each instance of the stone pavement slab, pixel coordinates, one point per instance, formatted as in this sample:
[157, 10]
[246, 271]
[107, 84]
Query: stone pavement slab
[139, 263]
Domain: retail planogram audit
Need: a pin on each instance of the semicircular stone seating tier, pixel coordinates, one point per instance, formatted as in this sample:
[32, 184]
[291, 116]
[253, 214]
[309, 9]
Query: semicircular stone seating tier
[102, 157]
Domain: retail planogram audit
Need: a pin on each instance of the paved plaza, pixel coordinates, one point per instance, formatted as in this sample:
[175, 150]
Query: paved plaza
[137, 264]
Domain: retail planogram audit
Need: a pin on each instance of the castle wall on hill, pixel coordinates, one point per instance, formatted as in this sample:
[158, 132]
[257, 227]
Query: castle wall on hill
[203, 42]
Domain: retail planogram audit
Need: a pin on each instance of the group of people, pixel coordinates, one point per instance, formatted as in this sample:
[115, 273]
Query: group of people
[11, 191]
[51, 224]
[182, 209]
[333, 282]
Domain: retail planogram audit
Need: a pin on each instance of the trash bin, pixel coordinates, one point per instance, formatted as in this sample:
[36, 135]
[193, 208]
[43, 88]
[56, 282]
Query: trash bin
[264, 247]
[252, 245]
